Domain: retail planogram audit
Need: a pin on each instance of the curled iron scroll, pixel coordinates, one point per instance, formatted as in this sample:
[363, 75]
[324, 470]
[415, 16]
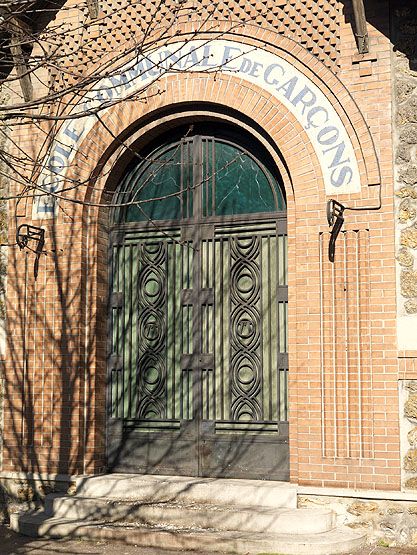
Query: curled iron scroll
[335, 220]
[26, 233]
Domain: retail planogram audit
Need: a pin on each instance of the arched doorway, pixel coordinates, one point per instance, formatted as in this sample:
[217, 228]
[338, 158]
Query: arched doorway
[198, 310]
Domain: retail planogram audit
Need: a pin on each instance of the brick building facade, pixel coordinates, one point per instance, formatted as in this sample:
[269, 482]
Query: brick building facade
[283, 82]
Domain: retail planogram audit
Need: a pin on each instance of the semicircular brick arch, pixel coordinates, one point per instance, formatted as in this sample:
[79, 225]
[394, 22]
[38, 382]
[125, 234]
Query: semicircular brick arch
[278, 123]
[220, 87]
[299, 57]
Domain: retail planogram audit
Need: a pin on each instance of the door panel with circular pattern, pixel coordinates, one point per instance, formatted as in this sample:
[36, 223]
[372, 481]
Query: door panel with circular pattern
[198, 359]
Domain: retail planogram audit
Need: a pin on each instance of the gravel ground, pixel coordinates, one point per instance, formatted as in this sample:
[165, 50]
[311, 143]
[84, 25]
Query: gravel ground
[16, 544]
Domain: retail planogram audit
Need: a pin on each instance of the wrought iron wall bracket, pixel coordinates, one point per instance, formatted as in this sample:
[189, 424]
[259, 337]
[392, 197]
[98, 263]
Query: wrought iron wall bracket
[26, 233]
[335, 220]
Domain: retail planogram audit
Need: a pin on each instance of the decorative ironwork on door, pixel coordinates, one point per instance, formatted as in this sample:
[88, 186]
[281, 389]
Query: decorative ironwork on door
[198, 365]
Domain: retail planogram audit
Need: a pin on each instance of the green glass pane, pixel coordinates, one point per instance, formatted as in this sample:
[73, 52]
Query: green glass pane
[161, 187]
[155, 185]
[242, 186]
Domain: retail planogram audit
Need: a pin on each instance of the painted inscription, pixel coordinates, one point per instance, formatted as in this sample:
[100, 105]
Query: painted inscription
[299, 94]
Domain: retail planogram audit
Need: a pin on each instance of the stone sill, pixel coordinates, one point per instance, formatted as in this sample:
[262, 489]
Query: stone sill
[360, 494]
[366, 57]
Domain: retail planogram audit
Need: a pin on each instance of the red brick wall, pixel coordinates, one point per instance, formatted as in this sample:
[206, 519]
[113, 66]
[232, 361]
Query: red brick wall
[343, 411]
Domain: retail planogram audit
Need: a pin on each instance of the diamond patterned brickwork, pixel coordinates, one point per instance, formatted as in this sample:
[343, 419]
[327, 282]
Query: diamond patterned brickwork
[124, 25]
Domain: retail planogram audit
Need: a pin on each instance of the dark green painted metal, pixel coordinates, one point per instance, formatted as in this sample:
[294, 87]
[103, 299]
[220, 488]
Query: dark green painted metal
[198, 366]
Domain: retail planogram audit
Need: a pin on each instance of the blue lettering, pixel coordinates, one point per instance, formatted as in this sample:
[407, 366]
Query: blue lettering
[206, 56]
[72, 133]
[245, 66]
[46, 184]
[328, 135]
[288, 87]
[56, 164]
[85, 108]
[119, 81]
[100, 94]
[306, 97]
[167, 59]
[341, 176]
[228, 55]
[66, 153]
[45, 207]
[191, 59]
[151, 70]
[255, 69]
[312, 113]
[337, 158]
[135, 71]
[268, 72]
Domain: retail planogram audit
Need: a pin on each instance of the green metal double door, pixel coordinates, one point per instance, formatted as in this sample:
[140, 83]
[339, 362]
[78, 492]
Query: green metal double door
[198, 364]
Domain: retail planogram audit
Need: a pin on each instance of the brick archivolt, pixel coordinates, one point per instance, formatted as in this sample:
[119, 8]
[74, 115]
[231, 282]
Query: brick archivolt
[225, 89]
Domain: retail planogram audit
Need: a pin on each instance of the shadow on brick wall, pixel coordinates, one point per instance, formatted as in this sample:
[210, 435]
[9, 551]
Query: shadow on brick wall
[395, 19]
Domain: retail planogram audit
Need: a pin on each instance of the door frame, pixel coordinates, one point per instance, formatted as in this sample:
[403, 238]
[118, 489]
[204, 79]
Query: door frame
[197, 224]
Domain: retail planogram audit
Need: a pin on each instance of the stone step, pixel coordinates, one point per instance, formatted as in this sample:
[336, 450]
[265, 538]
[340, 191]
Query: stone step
[336, 541]
[204, 516]
[182, 489]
